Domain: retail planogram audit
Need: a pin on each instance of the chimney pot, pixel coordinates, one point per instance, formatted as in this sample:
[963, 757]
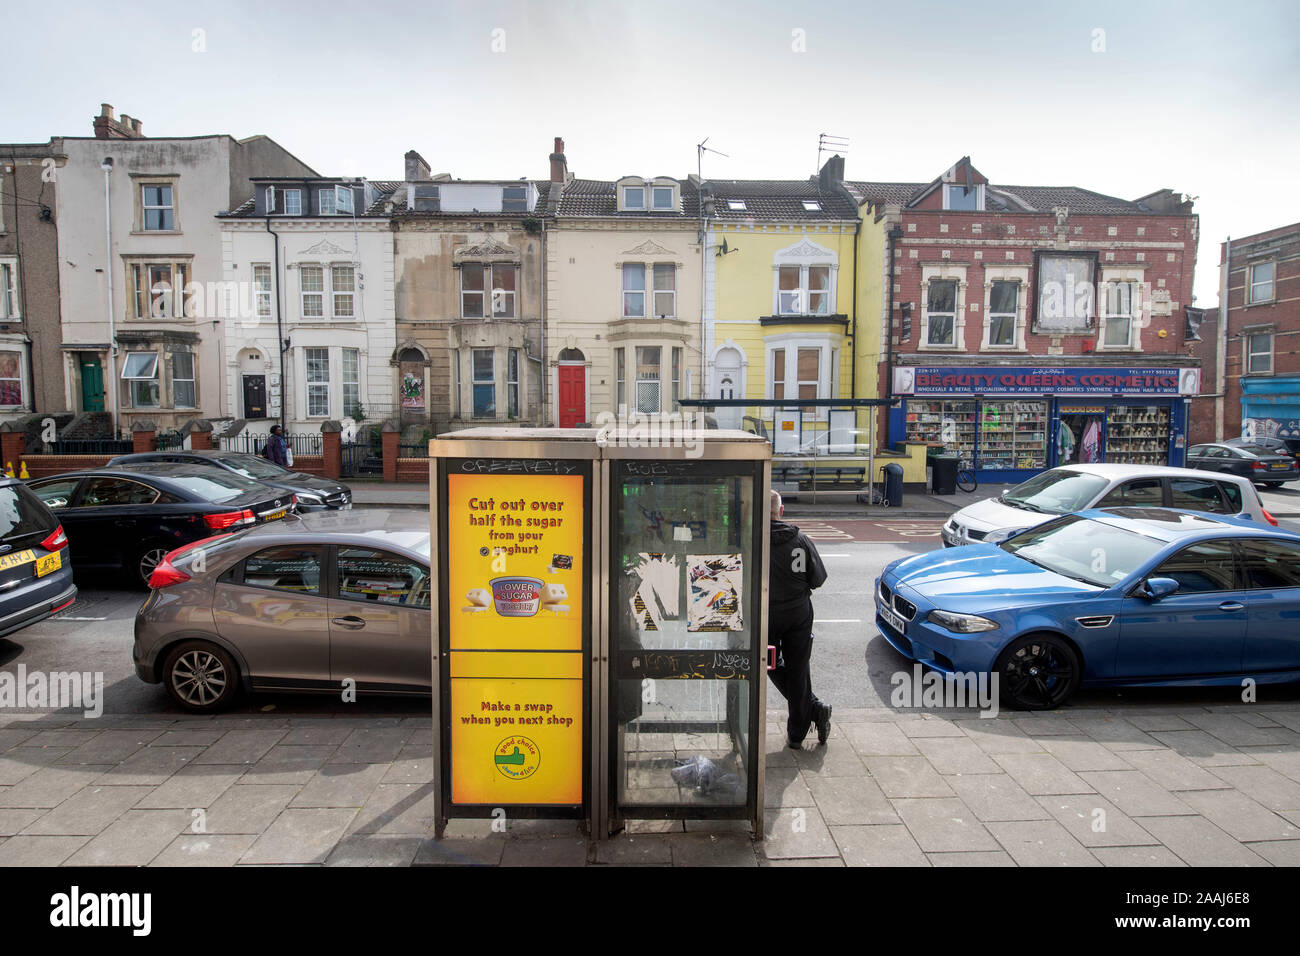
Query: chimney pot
[559, 164]
[106, 109]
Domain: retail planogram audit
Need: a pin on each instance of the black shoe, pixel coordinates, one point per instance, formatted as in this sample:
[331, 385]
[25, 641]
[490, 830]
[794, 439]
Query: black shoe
[792, 745]
[823, 722]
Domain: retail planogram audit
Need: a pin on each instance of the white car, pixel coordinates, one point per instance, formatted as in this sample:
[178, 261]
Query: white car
[1079, 487]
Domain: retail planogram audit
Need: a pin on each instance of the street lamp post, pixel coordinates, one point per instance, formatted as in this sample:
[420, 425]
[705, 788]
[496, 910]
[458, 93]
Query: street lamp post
[107, 166]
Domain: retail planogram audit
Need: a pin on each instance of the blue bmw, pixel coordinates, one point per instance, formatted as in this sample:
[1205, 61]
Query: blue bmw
[1135, 596]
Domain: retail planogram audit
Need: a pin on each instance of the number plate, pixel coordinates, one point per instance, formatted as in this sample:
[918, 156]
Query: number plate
[275, 514]
[16, 559]
[892, 619]
[49, 564]
[1281, 464]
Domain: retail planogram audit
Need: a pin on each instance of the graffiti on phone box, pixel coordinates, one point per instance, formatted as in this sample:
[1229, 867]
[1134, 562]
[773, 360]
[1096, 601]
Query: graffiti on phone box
[531, 466]
[691, 665]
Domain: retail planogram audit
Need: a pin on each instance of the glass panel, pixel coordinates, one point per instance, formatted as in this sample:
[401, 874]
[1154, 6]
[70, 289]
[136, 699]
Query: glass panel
[941, 330]
[663, 197]
[634, 288]
[1003, 297]
[942, 296]
[962, 198]
[619, 378]
[503, 291]
[790, 296]
[1117, 331]
[484, 365]
[683, 619]
[633, 197]
[485, 401]
[1002, 330]
[381, 577]
[778, 373]
[1202, 567]
[1195, 494]
[1271, 564]
[141, 365]
[117, 491]
[819, 285]
[294, 569]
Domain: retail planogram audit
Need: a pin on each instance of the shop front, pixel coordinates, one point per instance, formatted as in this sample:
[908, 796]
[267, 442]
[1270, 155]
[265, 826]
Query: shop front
[1008, 423]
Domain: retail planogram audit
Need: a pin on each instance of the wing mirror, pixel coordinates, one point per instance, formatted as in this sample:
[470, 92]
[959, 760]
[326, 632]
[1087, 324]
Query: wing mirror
[1156, 588]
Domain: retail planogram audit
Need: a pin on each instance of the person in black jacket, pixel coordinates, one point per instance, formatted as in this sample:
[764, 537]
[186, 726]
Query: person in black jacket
[794, 570]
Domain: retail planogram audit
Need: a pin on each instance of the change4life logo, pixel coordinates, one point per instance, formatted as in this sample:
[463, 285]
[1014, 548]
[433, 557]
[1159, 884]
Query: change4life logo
[517, 758]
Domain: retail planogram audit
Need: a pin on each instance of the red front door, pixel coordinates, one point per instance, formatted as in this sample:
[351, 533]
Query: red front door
[573, 395]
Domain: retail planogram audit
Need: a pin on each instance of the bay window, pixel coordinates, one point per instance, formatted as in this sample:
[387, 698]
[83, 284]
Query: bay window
[648, 381]
[140, 374]
[318, 382]
[351, 382]
[483, 382]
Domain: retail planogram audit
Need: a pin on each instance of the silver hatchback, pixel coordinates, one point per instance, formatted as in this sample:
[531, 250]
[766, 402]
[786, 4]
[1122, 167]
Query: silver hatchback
[329, 602]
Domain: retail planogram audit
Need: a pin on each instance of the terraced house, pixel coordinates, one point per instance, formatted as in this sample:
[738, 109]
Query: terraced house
[1027, 326]
[308, 262]
[623, 294]
[782, 322]
[468, 300]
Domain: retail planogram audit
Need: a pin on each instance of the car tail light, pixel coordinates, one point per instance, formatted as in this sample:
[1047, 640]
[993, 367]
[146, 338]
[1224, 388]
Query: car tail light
[166, 574]
[1271, 519]
[228, 519]
[56, 541]
[1258, 466]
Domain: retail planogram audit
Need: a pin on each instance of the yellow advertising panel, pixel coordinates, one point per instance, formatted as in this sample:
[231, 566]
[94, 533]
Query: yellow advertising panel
[516, 741]
[515, 562]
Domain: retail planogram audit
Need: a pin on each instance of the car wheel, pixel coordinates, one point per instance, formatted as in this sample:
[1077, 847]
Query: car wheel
[200, 677]
[1274, 484]
[147, 560]
[1038, 672]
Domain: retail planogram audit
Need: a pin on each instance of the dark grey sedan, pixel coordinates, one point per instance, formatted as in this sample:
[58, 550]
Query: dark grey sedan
[1261, 465]
[314, 493]
[302, 605]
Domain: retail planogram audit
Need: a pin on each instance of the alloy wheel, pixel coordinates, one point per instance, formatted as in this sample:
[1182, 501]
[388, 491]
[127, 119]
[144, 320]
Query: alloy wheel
[1038, 673]
[199, 678]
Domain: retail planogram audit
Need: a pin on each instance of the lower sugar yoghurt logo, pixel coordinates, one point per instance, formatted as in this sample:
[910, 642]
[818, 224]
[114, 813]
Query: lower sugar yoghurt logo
[517, 757]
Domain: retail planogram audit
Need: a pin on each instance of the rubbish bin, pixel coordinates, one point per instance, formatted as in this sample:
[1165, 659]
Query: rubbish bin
[944, 481]
[894, 484]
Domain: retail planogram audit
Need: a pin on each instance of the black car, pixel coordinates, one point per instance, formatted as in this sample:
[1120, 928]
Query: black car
[314, 494]
[129, 517]
[1282, 446]
[1259, 464]
[35, 573]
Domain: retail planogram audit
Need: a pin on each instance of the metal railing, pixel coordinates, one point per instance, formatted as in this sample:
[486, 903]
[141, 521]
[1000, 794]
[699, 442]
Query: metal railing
[252, 444]
[88, 446]
[169, 441]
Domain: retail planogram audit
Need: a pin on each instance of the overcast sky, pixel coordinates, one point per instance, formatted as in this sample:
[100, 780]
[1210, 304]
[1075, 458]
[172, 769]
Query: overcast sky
[1120, 97]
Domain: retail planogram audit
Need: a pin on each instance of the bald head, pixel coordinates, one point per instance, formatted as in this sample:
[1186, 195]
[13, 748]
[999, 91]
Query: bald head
[778, 509]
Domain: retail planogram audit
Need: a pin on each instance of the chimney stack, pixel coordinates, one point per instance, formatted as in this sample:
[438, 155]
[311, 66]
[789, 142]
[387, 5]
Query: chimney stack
[417, 170]
[831, 174]
[559, 165]
[106, 127]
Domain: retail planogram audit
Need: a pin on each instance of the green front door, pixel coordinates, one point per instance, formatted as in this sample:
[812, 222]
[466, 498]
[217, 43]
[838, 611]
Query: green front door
[92, 385]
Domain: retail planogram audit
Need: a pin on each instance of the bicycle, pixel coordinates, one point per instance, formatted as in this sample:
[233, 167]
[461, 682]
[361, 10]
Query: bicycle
[966, 480]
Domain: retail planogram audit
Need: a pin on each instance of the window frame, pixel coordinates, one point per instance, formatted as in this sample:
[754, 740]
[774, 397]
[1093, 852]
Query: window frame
[1237, 582]
[318, 384]
[476, 382]
[1079, 325]
[322, 591]
[320, 202]
[192, 378]
[1252, 283]
[1248, 354]
[145, 207]
[336, 578]
[670, 206]
[354, 384]
[262, 297]
[174, 297]
[132, 382]
[979, 190]
[303, 292]
[631, 268]
[657, 379]
[1109, 319]
[20, 379]
[626, 206]
[671, 292]
[1013, 315]
[10, 300]
[928, 315]
[512, 383]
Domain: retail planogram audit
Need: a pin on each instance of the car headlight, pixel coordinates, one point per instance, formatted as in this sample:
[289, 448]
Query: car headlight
[1001, 534]
[961, 623]
[305, 499]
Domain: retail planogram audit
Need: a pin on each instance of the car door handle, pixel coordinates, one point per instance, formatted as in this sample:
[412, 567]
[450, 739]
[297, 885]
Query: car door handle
[1231, 606]
[350, 622]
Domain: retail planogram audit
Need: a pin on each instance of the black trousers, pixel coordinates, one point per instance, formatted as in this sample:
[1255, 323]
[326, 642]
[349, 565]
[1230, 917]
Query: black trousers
[790, 632]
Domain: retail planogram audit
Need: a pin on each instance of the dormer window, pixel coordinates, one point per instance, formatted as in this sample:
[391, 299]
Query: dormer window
[325, 201]
[343, 200]
[425, 198]
[963, 198]
[293, 202]
[662, 197]
[634, 197]
[514, 199]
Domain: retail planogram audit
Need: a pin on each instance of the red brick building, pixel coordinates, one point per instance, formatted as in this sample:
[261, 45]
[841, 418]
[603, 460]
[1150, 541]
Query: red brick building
[1033, 326]
[1251, 343]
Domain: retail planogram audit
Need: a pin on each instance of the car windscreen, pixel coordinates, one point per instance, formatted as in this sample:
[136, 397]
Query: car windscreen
[23, 514]
[1084, 549]
[215, 487]
[1056, 492]
[250, 466]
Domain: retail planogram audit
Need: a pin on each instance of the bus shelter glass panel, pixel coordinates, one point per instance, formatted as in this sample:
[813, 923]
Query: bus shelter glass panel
[685, 632]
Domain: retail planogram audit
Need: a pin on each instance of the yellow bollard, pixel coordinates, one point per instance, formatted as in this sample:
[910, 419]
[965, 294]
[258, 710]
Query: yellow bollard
[9, 469]
[22, 470]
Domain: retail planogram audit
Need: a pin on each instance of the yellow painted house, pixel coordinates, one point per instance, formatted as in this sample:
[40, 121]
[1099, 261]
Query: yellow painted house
[781, 320]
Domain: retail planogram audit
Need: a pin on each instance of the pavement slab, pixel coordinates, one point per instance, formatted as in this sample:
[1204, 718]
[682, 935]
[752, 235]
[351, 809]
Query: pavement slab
[300, 836]
[878, 846]
[943, 825]
[907, 777]
[1198, 842]
[1095, 822]
[849, 801]
[795, 833]
[996, 797]
[1041, 774]
[1041, 843]
[134, 839]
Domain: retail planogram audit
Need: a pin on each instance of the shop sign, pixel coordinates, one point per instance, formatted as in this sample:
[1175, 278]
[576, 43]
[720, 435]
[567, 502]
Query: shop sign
[947, 380]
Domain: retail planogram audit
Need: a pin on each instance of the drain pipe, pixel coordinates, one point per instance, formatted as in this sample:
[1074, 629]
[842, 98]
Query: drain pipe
[279, 318]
